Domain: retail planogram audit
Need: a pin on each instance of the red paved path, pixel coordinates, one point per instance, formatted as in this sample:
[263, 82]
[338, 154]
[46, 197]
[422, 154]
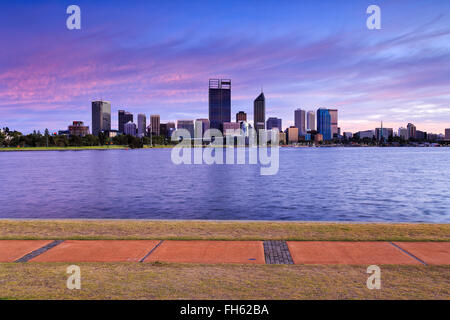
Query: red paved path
[243, 252]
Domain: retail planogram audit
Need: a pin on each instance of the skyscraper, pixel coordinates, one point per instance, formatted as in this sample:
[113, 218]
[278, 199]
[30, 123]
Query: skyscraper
[259, 112]
[154, 122]
[186, 124]
[274, 123]
[300, 121]
[219, 102]
[203, 125]
[324, 123]
[142, 124]
[411, 131]
[447, 134]
[129, 128]
[311, 121]
[334, 121]
[124, 117]
[101, 116]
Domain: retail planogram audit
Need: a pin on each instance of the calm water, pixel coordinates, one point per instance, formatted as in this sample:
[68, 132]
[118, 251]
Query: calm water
[314, 184]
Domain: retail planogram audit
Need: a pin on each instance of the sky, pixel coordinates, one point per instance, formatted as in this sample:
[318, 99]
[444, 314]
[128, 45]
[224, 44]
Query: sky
[156, 57]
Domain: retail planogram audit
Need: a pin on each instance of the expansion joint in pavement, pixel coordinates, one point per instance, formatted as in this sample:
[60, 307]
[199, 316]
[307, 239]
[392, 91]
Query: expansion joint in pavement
[39, 251]
[277, 252]
[151, 251]
[408, 253]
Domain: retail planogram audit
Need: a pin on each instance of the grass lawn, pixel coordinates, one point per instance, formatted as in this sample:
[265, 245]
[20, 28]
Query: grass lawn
[226, 230]
[183, 281]
[63, 148]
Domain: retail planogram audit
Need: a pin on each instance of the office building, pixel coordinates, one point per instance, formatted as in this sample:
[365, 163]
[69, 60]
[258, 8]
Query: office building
[365, 134]
[129, 128]
[300, 121]
[230, 128]
[348, 135]
[292, 134]
[78, 129]
[411, 131]
[324, 123]
[259, 112]
[124, 117]
[318, 138]
[154, 123]
[170, 128]
[142, 124]
[273, 123]
[219, 102]
[421, 135]
[384, 133]
[241, 116]
[403, 133]
[334, 122]
[310, 121]
[187, 125]
[447, 134]
[101, 116]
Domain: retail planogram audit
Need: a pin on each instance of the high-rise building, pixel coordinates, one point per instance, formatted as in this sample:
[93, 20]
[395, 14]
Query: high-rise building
[324, 123]
[403, 133]
[124, 117]
[170, 128]
[101, 116]
[241, 116]
[311, 121]
[186, 124]
[78, 129]
[447, 134]
[411, 131]
[300, 121]
[259, 112]
[274, 123]
[292, 134]
[154, 122]
[203, 125]
[163, 129]
[334, 122]
[219, 102]
[142, 124]
[129, 128]
[384, 133]
[229, 128]
[365, 134]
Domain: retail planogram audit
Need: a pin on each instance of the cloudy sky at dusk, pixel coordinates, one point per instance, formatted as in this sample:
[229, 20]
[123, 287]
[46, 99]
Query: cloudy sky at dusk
[156, 57]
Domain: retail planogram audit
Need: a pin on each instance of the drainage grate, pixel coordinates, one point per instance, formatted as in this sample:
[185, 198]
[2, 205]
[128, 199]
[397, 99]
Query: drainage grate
[277, 252]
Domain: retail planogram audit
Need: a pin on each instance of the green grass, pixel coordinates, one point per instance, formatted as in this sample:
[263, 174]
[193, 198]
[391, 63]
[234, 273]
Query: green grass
[228, 282]
[63, 148]
[220, 230]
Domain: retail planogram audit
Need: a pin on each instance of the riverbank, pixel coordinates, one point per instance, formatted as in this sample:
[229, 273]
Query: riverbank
[219, 230]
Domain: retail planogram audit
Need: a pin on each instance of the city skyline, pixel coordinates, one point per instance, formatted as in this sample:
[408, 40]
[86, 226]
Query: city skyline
[305, 56]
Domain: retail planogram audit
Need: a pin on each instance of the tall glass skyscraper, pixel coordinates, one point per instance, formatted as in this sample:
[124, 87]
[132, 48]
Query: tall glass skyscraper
[101, 116]
[311, 120]
[124, 117]
[324, 123]
[219, 102]
[274, 123]
[259, 112]
[300, 121]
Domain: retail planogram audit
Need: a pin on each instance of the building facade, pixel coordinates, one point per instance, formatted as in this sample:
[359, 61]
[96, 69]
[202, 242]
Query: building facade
[273, 123]
[142, 125]
[411, 131]
[259, 112]
[229, 128]
[78, 129]
[129, 128]
[241, 116]
[300, 121]
[310, 121]
[334, 122]
[101, 116]
[292, 134]
[219, 102]
[123, 118]
[324, 124]
[154, 123]
[447, 134]
[201, 126]
[186, 124]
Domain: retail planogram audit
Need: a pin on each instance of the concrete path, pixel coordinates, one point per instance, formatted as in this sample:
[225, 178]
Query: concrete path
[240, 252]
